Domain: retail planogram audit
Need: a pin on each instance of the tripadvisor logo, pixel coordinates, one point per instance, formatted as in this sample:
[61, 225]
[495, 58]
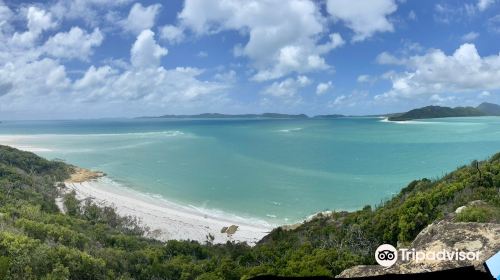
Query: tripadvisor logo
[386, 255]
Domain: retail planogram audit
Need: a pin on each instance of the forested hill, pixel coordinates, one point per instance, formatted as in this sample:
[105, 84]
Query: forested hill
[91, 242]
[429, 112]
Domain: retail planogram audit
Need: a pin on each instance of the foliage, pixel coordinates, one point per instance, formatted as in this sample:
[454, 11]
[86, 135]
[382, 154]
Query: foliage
[437, 112]
[92, 242]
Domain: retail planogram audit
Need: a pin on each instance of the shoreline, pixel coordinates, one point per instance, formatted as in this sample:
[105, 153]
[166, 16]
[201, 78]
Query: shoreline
[164, 219]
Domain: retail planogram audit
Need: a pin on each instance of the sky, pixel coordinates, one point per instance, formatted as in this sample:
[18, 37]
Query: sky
[67, 59]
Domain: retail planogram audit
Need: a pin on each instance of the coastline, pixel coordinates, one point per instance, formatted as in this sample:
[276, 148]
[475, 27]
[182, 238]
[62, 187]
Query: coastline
[164, 219]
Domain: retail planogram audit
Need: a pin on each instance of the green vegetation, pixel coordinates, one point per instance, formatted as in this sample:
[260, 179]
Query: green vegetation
[437, 112]
[91, 242]
[480, 214]
[428, 112]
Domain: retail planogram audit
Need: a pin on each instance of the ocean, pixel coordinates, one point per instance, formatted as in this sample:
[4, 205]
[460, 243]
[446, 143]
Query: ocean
[277, 170]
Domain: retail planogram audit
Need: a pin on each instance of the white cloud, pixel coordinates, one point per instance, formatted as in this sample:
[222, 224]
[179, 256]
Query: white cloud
[364, 17]
[95, 78]
[469, 37]
[44, 77]
[76, 43]
[5, 17]
[34, 81]
[339, 100]
[435, 72]
[387, 58]
[353, 99]
[227, 77]
[172, 34]
[150, 85]
[322, 88]
[484, 4]
[449, 11]
[288, 88]
[484, 94]
[141, 18]
[438, 99]
[38, 21]
[283, 36]
[334, 42]
[92, 12]
[145, 51]
[366, 79]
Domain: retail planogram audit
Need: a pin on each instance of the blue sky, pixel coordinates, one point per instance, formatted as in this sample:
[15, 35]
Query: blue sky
[103, 58]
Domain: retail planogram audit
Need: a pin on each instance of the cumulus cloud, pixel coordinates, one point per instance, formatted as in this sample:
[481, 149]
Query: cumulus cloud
[43, 77]
[92, 12]
[145, 52]
[387, 58]
[322, 88]
[76, 43]
[38, 21]
[150, 85]
[34, 79]
[436, 72]
[484, 4]
[141, 18]
[282, 35]
[288, 88]
[364, 17]
[172, 34]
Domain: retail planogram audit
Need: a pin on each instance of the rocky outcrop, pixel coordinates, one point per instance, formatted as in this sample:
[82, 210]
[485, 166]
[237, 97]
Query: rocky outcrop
[439, 236]
[81, 175]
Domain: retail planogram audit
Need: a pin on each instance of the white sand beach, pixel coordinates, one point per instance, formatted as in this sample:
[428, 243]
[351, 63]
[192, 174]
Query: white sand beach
[167, 220]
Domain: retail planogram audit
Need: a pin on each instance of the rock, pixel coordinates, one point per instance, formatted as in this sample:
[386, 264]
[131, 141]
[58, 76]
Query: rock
[81, 175]
[231, 229]
[477, 203]
[460, 209]
[443, 235]
[223, 230]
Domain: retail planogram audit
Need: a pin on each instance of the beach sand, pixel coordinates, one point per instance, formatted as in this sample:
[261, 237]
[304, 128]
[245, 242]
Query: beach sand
[166, 220]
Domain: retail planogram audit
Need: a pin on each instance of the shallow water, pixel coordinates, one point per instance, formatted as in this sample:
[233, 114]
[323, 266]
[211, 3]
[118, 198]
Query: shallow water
[277, 170]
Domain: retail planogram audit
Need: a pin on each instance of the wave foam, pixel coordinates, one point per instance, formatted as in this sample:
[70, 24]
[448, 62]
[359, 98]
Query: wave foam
[290, 129]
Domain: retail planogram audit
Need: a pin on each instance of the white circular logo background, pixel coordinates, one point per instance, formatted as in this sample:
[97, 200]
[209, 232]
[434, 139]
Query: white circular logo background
[386, 255]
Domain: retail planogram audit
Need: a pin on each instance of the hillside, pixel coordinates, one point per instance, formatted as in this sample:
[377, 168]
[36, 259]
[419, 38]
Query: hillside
[92, 242]
[490, 109]
[429, 112]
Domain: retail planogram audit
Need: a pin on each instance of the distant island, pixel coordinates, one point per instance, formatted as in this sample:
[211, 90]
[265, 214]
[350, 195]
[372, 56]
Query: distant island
[429, 112]
[333, 116]
[230, 116]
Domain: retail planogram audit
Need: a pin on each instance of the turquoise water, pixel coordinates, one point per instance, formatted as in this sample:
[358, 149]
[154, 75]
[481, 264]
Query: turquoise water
[277, 170]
